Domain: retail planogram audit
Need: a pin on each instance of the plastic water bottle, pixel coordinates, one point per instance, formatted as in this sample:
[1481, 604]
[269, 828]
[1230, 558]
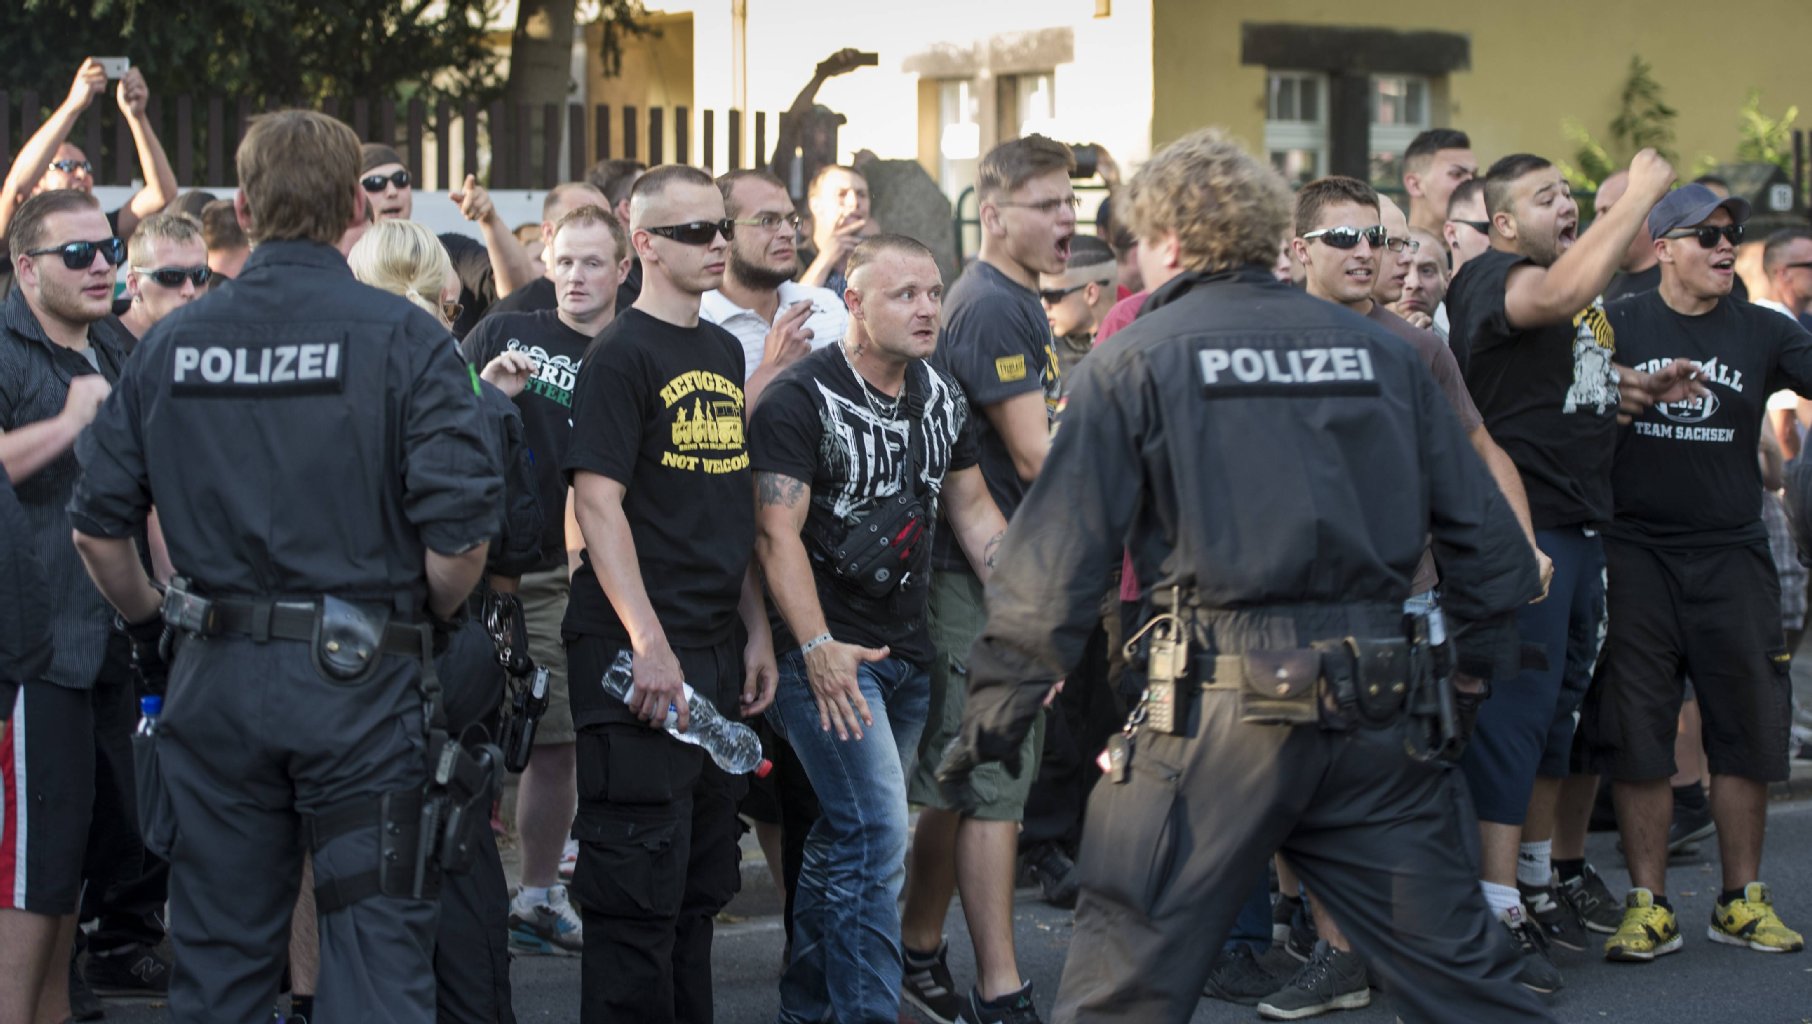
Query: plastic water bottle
[734, 746]
[149, 708]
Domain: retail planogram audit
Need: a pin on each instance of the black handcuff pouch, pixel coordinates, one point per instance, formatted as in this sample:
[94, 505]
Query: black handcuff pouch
[1279, 687]
[348, 638]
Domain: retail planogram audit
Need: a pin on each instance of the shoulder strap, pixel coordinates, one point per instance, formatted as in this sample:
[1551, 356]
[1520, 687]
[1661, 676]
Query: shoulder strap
[914, 399]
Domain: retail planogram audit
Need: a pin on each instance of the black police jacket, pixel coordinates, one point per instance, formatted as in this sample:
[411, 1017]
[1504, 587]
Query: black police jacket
[300, 433]
[1257, 445]
[517, 547]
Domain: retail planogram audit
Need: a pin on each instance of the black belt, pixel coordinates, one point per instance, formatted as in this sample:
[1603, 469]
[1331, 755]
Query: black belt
[295, 620]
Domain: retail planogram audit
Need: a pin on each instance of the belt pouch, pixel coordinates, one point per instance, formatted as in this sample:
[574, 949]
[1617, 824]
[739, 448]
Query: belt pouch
[348, 638]
[1279, 687]
[1383, 678]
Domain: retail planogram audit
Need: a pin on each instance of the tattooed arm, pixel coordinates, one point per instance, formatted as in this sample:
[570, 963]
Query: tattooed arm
[976, 519]
[781, 504]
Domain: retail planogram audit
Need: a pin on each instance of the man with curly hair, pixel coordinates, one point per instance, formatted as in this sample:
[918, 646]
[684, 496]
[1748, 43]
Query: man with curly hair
[1262, 588]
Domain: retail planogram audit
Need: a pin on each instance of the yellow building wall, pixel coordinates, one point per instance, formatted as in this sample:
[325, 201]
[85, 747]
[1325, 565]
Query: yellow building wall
[1533, 63]
[657, 71]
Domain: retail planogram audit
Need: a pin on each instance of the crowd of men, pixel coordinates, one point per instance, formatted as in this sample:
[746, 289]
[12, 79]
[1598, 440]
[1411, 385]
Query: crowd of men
[774, 466]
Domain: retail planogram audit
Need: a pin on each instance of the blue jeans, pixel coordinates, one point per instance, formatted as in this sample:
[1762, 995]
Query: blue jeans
[846, 921]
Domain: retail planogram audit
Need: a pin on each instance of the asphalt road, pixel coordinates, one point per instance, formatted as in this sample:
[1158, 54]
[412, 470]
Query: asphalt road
[1702, 984]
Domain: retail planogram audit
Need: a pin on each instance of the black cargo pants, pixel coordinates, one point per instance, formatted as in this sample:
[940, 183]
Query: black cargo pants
[658, 854]
[1389, 845]
[251, 737]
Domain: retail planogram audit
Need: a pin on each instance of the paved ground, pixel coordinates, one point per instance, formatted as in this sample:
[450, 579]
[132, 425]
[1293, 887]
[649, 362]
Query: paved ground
[1703, 984]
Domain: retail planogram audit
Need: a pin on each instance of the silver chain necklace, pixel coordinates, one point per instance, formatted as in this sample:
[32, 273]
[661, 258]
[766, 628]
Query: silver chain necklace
[890, 412]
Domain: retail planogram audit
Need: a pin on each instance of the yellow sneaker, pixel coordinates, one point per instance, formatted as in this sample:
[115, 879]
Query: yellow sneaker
[1648, 930]
[1751, 921]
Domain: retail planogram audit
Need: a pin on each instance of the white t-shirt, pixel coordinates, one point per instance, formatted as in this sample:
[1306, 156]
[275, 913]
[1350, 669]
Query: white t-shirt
[828, 321]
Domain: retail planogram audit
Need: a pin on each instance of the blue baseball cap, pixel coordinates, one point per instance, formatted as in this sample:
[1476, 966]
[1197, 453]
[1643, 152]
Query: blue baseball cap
[1692, 204]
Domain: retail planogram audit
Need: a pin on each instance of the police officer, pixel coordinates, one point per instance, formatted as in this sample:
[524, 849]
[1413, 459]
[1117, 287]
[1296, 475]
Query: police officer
[321, 474]
[1255, 447]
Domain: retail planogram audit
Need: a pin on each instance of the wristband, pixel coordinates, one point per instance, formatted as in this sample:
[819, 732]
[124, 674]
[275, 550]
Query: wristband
[814, 643]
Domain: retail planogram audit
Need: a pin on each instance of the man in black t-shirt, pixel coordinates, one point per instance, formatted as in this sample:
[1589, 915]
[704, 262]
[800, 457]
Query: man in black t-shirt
[1692, 585]
[1527, 314]
[586, 255]
[663, 497]
[833, 442]
[997, 344]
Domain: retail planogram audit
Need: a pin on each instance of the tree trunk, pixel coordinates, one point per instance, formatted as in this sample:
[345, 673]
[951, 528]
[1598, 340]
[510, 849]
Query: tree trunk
[541, 51]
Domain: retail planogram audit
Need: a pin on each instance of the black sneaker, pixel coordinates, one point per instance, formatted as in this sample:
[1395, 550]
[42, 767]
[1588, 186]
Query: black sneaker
[1016, 1008]
[1240, 977]
[1689, 826]
[1331, 980]
[1536, 972]
[1557, 920]
[133, 971]
[1591, 899]
[83, 1003]
[1303, 936]
[1283, 914]
[927, 985]
[1055, 874]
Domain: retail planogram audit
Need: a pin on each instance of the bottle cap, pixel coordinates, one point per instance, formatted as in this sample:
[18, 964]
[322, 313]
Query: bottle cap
[762, 769]
[151, 706]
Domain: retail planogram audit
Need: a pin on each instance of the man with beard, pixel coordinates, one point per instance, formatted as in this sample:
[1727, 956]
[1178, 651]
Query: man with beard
[58, 365]
[586, 257]
[776, 319]
[1527, 313]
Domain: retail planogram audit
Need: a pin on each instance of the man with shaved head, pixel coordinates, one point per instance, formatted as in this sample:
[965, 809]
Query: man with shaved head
[661, 489]
[839, 435]
[539, 294]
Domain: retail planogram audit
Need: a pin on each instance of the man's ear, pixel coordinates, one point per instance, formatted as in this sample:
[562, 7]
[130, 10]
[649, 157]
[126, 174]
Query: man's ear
[360, 207]
[1504, 224]
[242, 211]
[1299, 250]
[989, 215]
[1412, 185]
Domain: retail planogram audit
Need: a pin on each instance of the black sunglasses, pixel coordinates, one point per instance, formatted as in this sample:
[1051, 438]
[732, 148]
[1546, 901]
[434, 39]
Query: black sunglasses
[1708, 236]
[80, 255]
[72, 166]
[172, 277]
[1345, 237]
[697, 232]
[1483, 227]
[1052, 296]
[375, 182]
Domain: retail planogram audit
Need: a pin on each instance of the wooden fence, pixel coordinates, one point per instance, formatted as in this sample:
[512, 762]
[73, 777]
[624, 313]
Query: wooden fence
[506, 146]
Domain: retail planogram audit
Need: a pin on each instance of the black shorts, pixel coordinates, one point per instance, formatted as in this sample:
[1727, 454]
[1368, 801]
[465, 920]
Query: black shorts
[46, 798]
[1713, 615]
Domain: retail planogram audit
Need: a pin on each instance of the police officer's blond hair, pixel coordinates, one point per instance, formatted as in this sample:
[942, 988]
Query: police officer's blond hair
[1227, 207]
[168, 226]
[298, 171]
[403, 258]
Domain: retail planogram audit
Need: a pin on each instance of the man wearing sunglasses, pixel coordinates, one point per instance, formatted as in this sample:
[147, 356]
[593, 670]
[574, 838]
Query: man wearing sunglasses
[1692, 584]
[48, 161]
[1530, 334]
[1076, 300]
[59, 360]
[777, 319]
[665, 501]
[1467, 230]
[166, 268]
[488, 271]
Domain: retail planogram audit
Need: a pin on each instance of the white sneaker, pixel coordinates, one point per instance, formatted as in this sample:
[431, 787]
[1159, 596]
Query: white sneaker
[551, 928]
[569, 860]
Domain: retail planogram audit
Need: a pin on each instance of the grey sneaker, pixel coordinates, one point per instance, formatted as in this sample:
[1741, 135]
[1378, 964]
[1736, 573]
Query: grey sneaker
[1556, 918]
[1535, 971]
[1331, 980]
[1010, 1009]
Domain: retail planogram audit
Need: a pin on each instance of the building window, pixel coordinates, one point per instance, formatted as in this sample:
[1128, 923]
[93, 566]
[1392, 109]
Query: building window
[1296, 124]
[1399, 105]
[1027, 105]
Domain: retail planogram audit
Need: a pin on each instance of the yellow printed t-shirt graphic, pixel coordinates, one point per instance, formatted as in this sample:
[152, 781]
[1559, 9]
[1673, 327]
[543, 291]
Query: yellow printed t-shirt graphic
[705, 424]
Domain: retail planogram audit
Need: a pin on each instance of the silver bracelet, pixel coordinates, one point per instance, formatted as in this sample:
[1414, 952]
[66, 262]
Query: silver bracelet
[814, 643]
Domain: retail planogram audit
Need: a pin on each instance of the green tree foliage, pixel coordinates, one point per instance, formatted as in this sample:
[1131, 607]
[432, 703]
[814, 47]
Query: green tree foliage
[1643, 121]
[1764, 139]
[269, 50]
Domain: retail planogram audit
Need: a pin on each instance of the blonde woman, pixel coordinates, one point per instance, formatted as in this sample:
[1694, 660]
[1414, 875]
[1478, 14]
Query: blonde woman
[472, 978]
[404, 258]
